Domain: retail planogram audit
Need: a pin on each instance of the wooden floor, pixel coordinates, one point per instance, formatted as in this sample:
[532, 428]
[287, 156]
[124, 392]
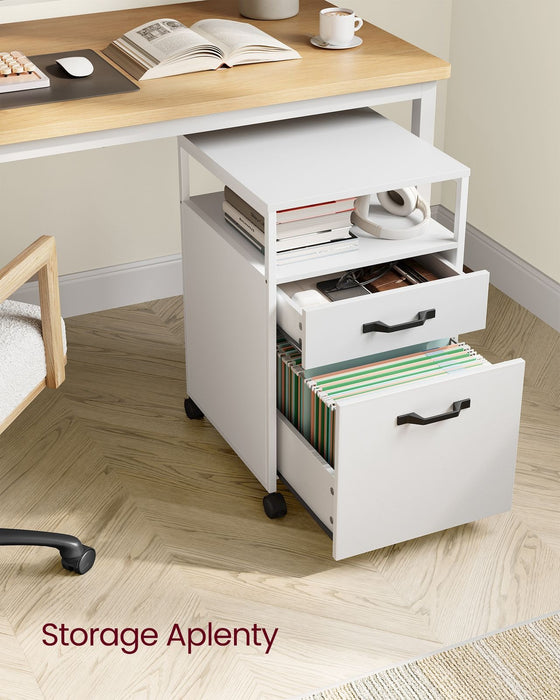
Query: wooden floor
[181, 536]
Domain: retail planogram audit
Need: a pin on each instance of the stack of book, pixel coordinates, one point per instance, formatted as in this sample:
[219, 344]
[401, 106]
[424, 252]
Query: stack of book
[303, 232]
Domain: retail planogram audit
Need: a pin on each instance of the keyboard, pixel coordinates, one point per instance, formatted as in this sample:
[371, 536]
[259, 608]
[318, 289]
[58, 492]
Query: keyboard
[17, 72]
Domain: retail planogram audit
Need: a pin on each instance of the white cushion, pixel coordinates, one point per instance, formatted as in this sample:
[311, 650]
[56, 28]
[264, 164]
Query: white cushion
[22, 353]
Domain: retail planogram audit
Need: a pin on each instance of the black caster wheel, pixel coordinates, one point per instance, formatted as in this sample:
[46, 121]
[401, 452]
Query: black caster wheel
[275, 505]
[192, 410]
[82, 563]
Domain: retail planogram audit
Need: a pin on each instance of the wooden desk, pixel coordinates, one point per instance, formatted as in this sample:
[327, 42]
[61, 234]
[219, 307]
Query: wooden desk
[384, 69]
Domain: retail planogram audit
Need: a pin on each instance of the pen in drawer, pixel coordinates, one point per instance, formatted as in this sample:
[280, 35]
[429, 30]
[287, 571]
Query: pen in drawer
[401, 270]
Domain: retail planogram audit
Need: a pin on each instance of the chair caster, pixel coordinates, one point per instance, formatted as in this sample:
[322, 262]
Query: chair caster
[192, 410]
[275, 505]
[82, 563]
[75, 555]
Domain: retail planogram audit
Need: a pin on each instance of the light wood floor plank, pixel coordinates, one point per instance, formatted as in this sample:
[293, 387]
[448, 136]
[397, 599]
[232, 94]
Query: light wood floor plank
[18, 679]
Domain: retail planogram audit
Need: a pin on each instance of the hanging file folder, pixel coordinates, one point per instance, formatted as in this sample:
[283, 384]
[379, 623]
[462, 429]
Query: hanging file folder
[309, 401]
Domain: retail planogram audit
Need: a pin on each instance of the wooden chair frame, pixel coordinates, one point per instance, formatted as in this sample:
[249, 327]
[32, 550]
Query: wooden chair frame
[39, 259]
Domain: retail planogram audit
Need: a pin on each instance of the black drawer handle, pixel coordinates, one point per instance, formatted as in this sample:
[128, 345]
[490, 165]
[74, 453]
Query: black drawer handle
[458, 406]
[380, 327]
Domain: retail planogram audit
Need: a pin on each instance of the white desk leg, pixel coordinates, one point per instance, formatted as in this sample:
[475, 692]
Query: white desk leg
[184, 176]
[423, 123]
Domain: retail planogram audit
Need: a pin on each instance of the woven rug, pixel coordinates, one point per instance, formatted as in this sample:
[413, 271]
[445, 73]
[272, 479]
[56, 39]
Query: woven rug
[520, 663]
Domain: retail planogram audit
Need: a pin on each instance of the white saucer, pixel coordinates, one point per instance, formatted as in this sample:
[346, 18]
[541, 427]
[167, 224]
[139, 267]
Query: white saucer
[317, 41]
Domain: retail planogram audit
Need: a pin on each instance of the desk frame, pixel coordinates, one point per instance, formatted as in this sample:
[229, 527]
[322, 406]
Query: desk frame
[422, 95]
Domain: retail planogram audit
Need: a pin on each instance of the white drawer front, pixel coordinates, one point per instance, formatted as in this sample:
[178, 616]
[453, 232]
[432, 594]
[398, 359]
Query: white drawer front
[417, 314]
[305, 471]
[396, 482]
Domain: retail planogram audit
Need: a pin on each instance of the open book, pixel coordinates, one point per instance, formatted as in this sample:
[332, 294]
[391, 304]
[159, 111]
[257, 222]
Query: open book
[166, 47]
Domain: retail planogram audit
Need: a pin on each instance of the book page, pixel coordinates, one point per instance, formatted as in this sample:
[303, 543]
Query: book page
[161, 39]
[233, 36]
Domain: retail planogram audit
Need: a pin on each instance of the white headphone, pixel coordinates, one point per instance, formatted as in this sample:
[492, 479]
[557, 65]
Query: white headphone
[398, 202]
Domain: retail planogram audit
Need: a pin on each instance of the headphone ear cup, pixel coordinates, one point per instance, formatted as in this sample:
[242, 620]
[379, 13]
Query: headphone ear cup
[399, 202]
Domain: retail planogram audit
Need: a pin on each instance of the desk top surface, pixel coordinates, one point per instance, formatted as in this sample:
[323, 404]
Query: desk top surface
[382, 61]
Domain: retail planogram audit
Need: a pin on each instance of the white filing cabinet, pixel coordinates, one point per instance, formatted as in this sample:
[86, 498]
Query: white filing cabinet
[391, 482]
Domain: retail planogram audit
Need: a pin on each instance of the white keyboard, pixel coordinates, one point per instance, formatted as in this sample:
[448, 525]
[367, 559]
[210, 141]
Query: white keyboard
[17, 72]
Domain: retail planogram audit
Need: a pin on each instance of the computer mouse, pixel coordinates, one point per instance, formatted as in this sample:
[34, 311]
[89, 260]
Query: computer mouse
[76, 66]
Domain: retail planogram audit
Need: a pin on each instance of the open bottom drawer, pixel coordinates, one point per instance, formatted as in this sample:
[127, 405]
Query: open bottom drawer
[394, 482]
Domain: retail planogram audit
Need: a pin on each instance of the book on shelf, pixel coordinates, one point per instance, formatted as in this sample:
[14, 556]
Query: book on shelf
[313, 225]
[166, 47]
[259, 244]
[257, 238]
[334, 234]
[335, 241]
[318, 250]
[284, 216]
[320, 224]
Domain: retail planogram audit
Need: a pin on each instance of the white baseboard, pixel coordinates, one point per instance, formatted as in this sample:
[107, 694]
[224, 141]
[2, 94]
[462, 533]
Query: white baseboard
[118, 285]
[509, 273]
[133, 283]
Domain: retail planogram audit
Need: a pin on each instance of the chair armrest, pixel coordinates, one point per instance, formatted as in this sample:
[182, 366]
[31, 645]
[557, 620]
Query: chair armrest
[40, 259]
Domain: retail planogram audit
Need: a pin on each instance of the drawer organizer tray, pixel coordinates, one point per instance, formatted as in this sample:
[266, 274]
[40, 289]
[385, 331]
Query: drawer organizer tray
[343, 330]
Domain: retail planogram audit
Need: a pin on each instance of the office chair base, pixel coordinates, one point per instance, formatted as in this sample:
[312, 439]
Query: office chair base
[75, 556]
[82, 563]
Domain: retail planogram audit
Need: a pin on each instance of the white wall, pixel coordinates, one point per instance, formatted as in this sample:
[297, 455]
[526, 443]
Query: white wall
[426, 24]
[502, 119]
[105, 206]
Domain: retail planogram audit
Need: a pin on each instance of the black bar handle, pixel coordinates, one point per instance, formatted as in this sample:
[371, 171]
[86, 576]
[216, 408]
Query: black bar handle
[414, 418]
[381, 327]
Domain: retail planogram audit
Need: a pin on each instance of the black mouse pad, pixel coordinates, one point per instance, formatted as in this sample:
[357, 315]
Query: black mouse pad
[105, 80]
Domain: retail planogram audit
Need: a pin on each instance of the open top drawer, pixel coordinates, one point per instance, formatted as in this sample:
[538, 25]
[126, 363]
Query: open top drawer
[397, 318]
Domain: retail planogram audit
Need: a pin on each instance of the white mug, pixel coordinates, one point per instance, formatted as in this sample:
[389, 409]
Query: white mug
[337, 25]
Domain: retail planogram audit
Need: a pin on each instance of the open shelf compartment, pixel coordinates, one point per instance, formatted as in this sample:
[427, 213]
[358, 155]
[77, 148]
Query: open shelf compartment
[208, 207]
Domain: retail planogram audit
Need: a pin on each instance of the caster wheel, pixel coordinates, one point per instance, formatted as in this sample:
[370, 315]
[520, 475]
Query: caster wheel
[80, 564]
[275, 505]
[192, 410]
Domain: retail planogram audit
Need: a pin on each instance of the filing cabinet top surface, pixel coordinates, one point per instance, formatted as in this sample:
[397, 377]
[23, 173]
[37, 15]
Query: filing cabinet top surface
[306, 160]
